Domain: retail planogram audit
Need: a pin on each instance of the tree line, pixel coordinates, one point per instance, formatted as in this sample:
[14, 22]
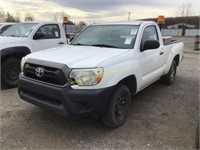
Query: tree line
[184, 16]
[8, 17]
[58, 16]
[193, 20]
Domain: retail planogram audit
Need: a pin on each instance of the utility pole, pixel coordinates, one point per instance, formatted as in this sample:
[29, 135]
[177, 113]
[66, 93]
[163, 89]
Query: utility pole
[129, 16]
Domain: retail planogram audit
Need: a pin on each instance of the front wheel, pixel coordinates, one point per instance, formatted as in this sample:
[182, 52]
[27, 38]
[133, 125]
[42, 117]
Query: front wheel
[169, 78]
[9, 72]
[117, 112]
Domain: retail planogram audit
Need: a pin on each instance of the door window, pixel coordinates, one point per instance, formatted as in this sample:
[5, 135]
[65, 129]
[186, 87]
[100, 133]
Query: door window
[49, 31]
[150, 33]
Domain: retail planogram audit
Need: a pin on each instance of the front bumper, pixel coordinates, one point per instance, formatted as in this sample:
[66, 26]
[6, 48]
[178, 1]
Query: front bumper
[64, 100]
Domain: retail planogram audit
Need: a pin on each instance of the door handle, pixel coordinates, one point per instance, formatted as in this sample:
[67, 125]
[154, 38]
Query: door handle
[161, 53]
[61, 43]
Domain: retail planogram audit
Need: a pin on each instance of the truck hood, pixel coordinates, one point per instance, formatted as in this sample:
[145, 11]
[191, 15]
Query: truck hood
[10, 41]
[77, 56]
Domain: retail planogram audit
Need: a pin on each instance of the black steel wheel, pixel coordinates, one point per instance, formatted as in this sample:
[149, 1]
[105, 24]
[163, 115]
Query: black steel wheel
[117, 112]
[10, 72]
[169, 79]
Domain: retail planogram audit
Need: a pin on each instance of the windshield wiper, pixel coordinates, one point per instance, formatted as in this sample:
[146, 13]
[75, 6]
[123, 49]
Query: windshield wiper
[104, 45]
[80, 44]
[14, 35]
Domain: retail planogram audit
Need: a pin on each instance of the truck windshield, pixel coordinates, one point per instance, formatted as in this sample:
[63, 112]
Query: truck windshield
[110, 36]
[20, 30]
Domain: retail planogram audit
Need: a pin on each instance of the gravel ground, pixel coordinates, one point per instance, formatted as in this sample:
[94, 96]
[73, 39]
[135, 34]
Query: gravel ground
[161, 117]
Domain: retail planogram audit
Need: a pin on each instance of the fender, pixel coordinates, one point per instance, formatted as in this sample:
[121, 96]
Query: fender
[15, 50]
[175, 50]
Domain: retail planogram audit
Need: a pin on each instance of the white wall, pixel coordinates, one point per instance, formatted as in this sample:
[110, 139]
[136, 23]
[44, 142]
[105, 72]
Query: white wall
[178, 32]
[192, 32]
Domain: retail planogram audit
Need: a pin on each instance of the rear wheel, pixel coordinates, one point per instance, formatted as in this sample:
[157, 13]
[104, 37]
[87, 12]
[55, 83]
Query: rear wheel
[169, 78]
[117, 112]
[9, 72]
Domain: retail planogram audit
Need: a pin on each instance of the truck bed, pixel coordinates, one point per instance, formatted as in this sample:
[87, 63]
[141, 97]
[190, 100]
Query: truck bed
[167, 40]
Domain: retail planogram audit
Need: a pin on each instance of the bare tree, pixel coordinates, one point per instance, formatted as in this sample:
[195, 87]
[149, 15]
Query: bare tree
[2, 15]
[82, 23]
[189, 10]
[185, 10]
[58, 16]
[29, 17]
[182, 13]
[10, 18]
[55, 16]
[17, 17]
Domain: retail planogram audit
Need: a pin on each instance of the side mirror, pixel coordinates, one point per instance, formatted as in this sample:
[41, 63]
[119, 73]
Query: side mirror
[151, 44]
[38, 35]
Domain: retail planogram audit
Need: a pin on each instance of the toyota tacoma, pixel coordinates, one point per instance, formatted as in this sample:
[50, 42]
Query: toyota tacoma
[100, 71]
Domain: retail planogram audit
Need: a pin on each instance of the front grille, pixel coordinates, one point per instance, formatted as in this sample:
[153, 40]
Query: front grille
[51, 75]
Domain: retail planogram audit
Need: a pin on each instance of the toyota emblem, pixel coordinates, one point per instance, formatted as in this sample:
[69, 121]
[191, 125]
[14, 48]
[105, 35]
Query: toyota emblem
[39, 72]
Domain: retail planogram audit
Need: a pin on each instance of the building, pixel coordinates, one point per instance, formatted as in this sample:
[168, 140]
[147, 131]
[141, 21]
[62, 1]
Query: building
[181, 26]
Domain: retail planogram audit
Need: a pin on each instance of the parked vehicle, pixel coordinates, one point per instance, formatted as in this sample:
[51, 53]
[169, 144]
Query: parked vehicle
[22, 39]
[99, 72]
[5, 26]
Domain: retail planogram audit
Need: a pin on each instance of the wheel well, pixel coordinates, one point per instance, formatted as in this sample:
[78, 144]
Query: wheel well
[176, 58]
[18, 56]
[131, 83]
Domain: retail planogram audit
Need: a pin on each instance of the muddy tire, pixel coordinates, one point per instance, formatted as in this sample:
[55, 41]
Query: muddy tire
[117, 112]
[169, 78]
[9, 72]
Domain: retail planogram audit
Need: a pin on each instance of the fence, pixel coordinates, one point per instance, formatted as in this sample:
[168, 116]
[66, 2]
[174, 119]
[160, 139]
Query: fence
[178, 32]
[73, 29]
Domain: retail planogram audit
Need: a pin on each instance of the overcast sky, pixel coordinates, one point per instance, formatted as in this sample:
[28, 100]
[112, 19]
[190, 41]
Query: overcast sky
[97, 10]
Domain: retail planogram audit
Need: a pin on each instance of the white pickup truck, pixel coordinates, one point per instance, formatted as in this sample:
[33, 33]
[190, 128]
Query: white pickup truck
[22, 39]
[100, 70]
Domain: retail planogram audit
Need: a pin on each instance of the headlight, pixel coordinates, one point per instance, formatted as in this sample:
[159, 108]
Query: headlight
[23, 61]
[86, 77]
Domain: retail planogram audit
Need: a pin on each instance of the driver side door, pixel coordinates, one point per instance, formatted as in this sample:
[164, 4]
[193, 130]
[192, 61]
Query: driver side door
[50, 38]
[149, 59]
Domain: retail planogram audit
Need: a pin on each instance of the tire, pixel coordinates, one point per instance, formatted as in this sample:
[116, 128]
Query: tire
[9, 72]
[169, 78]
[117, 112]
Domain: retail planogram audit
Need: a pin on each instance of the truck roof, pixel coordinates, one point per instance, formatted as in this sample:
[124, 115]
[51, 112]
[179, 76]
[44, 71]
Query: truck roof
[124, 23]
[7, 23]
[41, 22]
